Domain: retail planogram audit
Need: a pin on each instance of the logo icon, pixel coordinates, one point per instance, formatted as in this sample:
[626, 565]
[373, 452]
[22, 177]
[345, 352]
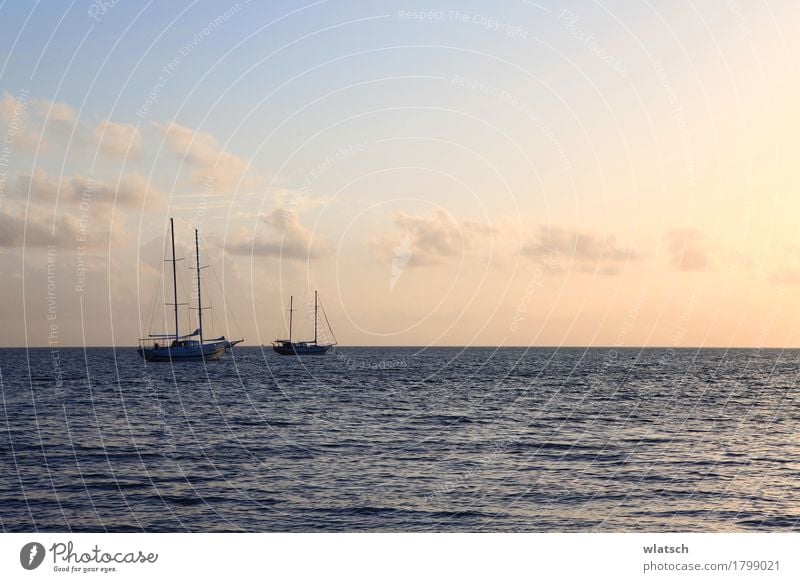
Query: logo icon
[31, 555]
[401, 255]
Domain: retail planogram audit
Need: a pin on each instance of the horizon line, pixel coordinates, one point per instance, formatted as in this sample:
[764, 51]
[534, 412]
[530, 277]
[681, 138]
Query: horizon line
[447, 346]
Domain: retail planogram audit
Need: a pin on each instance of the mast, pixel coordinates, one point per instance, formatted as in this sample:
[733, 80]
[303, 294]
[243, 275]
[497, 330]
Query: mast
[291, 298]
[199, 299]
[174, 276]
[315, 317]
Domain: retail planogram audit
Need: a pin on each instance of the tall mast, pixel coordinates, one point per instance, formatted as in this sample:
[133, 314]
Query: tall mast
[290, 317]
[174, 276]
[199, 300]
[315, 316]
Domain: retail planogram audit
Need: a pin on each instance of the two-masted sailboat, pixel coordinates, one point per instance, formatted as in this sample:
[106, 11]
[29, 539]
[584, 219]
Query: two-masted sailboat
[289, 347]
[191, 347]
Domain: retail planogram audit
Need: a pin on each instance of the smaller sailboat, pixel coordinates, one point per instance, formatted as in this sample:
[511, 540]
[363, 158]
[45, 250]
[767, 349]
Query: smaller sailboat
[192, 347]
[289, 347]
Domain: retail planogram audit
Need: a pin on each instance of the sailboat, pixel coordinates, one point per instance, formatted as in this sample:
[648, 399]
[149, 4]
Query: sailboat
[288, 347]
[191, 347]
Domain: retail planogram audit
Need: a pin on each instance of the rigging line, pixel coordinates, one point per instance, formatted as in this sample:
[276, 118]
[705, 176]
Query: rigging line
[153, 303]
[187, 296]
[324, 313]
[224, 295]
[159, 282]
[208, 299]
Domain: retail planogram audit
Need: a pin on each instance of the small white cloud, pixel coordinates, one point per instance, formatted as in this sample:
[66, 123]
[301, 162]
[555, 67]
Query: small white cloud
[118, 140]
[132, 191]
[285, 237]
[583, 251]
[14, 113]
[55, 111]
[226, 172]
[432, 238]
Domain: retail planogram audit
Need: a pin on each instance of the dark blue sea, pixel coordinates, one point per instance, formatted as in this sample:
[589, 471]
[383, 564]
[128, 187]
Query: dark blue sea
[401, 440]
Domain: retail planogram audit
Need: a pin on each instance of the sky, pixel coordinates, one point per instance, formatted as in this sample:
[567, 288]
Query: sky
[508, 173]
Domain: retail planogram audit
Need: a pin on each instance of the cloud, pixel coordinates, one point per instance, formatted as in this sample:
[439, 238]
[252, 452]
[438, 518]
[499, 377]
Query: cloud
[84, 211]
[39, 232]
[200, 150]
[133, 190]
[38, 186]
[118, 140]
[14, 113]
[37, 121]
[689, 249]
[430, 239]
[55, 111]
[10, 107]
[285, 238]
[585, 252]
[28, 117]
[297, 199]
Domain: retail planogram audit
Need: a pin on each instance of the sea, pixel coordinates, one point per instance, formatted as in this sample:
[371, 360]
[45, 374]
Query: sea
[401, 440]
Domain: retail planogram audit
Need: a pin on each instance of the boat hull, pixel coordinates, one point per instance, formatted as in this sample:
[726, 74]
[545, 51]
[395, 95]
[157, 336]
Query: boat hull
[204, 353]
[287, 349]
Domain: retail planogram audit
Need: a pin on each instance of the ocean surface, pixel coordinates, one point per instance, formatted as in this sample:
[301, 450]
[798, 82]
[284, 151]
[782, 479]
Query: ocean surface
[403, 440]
